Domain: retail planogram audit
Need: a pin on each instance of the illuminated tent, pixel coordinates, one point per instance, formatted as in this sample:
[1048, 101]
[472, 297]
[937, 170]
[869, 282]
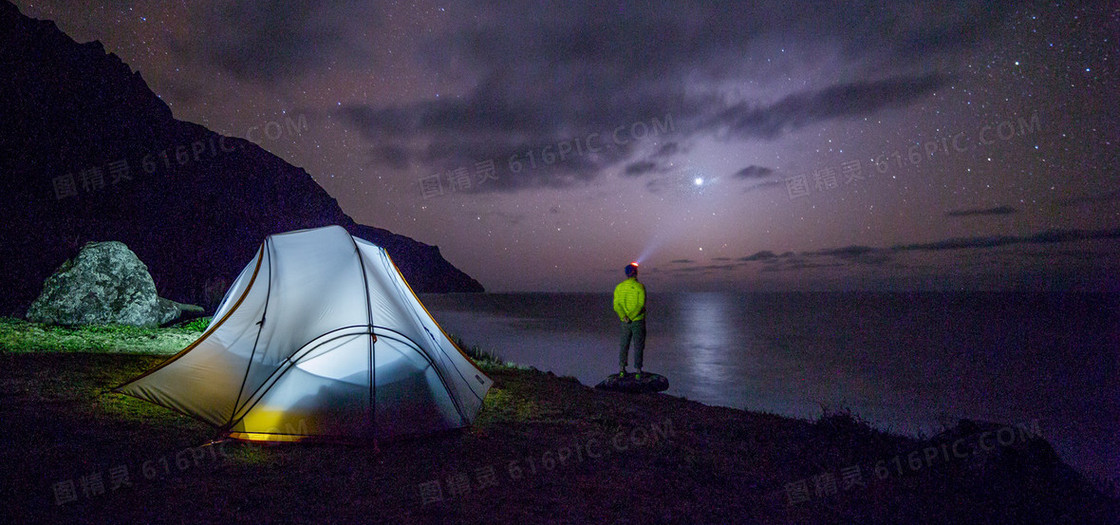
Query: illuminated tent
[319, 338]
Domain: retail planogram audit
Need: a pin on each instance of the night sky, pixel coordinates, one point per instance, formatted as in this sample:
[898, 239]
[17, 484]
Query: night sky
[752, 146]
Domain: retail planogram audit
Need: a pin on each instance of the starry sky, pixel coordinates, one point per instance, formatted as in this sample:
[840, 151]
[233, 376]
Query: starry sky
[761, 145]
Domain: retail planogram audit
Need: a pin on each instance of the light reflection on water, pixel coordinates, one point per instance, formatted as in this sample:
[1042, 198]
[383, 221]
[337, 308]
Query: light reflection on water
[904, 362]
[705, 335]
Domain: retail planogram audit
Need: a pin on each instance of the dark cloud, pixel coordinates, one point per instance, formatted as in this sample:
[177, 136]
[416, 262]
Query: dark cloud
[749, 120]
[666, 37]
[759, 256]
[847, 252]
[682, 261]
[705, 268]
[1053, 236]
[855, 253]
[659, 185]
[867, 255]
[958, 24]
[284, 40]
[961, 242]
[1079, 255]
[753, 172]
[543, 76]
[1047, 237]
[395, 157]
[529, 142]
[798, 264]
[999, 210]
[667, 150]
[639, 168]
[1109, 196]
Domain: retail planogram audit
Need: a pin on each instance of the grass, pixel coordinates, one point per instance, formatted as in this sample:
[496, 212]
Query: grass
[543, 449]
[20, 336]
[480, 356]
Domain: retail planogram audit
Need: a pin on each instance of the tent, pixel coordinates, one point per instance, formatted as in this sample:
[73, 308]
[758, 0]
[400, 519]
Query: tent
[319, 338]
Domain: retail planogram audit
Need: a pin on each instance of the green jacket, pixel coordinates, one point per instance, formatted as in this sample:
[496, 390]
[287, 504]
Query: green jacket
[630, 299]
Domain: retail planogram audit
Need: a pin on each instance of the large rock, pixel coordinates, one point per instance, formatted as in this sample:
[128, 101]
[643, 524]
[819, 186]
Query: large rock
[650, 382]
[105, 284]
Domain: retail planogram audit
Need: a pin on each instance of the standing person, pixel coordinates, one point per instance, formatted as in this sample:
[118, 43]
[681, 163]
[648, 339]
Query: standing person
[630, 305]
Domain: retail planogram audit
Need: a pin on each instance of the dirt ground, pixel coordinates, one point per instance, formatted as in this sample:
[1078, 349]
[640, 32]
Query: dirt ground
[543, 450]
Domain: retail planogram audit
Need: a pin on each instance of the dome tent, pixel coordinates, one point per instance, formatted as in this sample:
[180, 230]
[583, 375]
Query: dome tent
[319, 338]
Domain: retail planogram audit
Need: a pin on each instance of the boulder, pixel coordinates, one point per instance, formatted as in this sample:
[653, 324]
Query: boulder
[106, 283]
[649, 382]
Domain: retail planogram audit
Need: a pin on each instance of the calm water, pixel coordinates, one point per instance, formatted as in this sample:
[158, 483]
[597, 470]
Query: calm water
[906, 362]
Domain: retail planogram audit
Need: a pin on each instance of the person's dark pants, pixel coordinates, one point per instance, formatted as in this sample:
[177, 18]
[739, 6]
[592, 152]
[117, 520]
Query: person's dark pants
[636, 331]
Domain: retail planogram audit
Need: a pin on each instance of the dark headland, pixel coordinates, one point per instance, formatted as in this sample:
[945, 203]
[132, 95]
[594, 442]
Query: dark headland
[89, 153]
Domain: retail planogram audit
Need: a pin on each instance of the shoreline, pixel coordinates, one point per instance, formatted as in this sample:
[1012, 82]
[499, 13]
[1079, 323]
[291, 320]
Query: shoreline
[906, 366]
[540, 442]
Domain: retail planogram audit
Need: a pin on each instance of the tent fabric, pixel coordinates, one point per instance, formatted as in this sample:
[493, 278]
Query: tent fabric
[320, 337]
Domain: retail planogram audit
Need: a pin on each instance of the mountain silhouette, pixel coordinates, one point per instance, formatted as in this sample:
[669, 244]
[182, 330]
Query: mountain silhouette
[89, 153]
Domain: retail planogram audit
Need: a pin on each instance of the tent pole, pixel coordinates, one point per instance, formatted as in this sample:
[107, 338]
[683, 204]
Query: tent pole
[372, 340]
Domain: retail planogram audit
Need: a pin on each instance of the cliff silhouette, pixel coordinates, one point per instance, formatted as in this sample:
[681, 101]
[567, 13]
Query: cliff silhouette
[89, 153]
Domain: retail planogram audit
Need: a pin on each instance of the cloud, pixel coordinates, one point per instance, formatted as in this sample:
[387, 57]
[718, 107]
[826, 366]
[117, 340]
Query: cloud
[759, 256]
[285, 41]
[527, 78]
[960, 243]
[1046, 237]
[999, 210]
[798, 264]
[529, 144]
[395, 157]
[668, 149]
[704, 268]
[764, 185]
[753, 172]
[639, 168]
[750, 120]
[1079, 255]
[1091, 199]
[855, 253]
[871, 256]
[846, 252]
[681, 261]
[1058, 235]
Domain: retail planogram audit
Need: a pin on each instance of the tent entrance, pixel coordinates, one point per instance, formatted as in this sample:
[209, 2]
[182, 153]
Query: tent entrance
[324, 391]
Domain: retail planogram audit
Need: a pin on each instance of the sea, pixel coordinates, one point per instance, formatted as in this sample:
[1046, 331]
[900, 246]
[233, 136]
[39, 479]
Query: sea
[910, 363]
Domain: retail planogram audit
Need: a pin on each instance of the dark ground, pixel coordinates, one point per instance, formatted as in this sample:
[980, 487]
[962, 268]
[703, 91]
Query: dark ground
[544, 449]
